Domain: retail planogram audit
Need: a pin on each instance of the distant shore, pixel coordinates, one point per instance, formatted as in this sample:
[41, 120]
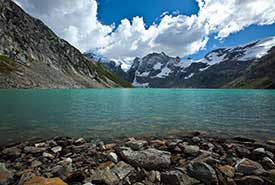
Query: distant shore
[187, 158]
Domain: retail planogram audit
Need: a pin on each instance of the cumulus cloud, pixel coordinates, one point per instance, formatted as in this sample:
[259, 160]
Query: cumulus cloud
[177, 35]
[228, 16]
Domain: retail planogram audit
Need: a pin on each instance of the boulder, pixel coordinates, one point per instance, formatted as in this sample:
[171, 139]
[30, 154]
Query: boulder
[203, 172]
[248, 166]
[5, 174]
[149, 159]
[44, 181]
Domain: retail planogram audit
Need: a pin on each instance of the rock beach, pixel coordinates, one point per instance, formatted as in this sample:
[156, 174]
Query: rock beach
[175, 160]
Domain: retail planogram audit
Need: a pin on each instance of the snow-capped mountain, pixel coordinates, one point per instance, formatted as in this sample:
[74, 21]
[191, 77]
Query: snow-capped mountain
[217, 69]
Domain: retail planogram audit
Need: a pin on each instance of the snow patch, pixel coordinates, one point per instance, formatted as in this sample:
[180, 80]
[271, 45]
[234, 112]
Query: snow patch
[259, 50]
[144, 74]
[189, 76]
[157, 66]
[164, 72]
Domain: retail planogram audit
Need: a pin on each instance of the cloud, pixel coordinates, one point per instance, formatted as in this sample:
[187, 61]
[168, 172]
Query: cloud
[228, 16]
[177, 35]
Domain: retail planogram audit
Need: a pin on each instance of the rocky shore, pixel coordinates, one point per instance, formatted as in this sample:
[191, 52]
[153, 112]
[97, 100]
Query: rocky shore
[187, 159]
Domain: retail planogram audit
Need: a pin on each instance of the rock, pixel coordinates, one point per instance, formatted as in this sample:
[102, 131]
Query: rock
[196, 140]
[268, 163]
[242, 151]
[271, 142]
[104, 176]
[36, 163]
[136, 144]
[25, 177]
[33, 150]
[244, 139]
[227, 170]
[101, 146]
[113, 157]
[80, 141]
[122, 169]
[5, 174]
[48, 155]
[43, 181]
[191, 150]
[150, 159]
[259, 152]
[154, 176]
[203, 172]
[14, 151]
[248, 166]
[40, 144]
[176, 177]
[56, 149]
[64, 169]
[75, 177]
[249, 180]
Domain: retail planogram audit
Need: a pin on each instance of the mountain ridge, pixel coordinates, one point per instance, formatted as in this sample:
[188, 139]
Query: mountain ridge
[215, 70]
[33, 56]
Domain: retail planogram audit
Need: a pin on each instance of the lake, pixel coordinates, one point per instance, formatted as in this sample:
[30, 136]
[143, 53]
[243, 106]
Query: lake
[107, 113]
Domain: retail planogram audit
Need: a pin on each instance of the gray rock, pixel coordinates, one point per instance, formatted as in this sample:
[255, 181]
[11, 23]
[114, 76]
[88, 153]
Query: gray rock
[48, 155]
[12, 151]
[56, 149]
[176, 177]
[113, 157]
[136, 144]
[248, 166]
[150, 159]
[122, 169]
[191, 150]
[36, 163]
[203, 172]
[196, 139]
[5, 174]
[104, 176]
[268, 163]
[34, 150]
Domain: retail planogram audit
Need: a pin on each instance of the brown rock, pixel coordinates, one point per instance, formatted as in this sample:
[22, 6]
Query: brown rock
[227, 170]
[43, 181]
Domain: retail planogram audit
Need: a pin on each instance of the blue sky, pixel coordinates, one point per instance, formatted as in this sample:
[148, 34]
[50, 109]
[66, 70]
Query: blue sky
[151, 10]
[125, 29]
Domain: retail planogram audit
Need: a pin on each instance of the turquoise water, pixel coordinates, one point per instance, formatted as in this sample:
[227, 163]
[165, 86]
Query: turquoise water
[106, 113]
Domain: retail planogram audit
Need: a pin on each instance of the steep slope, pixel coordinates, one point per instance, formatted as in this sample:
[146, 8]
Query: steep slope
[259, 75]
[32, 56]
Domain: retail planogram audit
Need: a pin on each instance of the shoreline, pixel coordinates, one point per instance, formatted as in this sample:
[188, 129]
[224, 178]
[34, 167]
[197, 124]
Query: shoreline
[185, 158]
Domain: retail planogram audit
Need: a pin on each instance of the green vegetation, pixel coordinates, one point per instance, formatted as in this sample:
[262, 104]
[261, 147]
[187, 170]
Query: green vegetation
[103, 73]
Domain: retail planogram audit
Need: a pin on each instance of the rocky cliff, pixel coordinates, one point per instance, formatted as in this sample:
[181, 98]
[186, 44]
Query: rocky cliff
[32, 56]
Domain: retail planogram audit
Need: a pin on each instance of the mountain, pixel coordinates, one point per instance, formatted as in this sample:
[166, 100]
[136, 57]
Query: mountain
[32, 56]
[233, 67]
